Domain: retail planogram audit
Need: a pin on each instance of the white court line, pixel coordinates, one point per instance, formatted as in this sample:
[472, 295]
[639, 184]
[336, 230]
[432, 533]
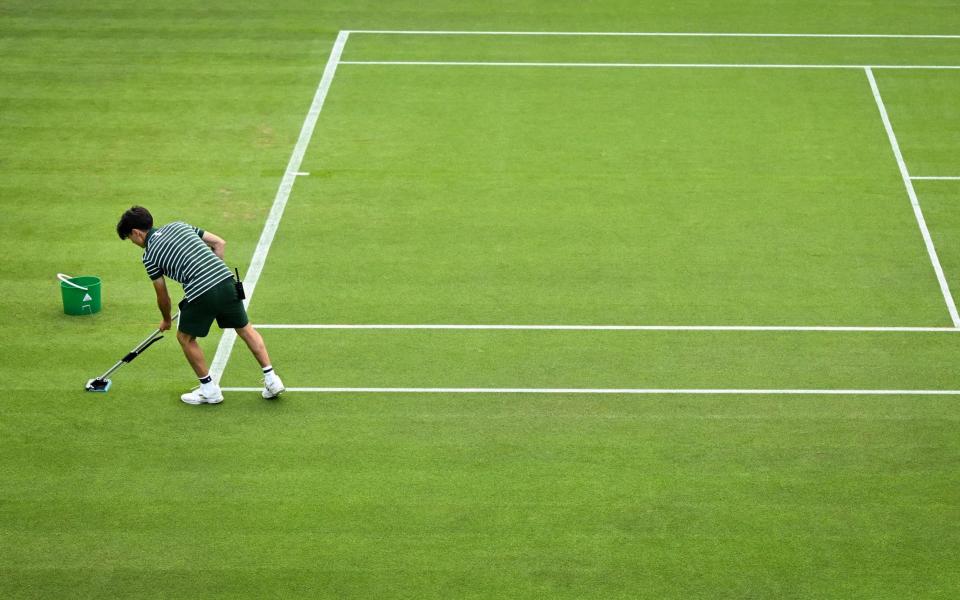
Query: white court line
[615, 327]
[280, 201]
[916, 178]
[631, 391]
[456, 63]
[666, 34]
[914, 202]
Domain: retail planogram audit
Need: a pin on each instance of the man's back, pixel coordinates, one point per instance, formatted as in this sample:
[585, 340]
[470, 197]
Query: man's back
[177, 251]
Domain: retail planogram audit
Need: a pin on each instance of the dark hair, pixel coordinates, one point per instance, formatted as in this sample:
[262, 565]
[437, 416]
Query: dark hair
[136, 217]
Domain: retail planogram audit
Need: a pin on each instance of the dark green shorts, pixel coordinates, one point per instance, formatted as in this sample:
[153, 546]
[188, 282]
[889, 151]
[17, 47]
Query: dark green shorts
[220, 303]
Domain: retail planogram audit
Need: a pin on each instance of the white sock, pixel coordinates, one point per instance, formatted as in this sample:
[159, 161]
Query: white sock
[268, 374]
[208, 388]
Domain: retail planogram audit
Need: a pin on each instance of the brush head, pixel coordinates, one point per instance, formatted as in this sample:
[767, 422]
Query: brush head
[98, 385]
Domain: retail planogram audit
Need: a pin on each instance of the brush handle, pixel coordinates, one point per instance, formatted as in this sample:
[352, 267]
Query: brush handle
[153, 337]
[135, 353]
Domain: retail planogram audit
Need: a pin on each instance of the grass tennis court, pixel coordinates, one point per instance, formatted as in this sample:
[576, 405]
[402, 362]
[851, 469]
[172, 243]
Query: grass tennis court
[562, 315]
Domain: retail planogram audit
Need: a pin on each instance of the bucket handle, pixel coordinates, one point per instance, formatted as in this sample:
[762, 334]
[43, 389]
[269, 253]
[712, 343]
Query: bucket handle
[66, 280]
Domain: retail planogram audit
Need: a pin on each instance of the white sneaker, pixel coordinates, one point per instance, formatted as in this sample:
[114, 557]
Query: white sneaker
[198, 397]
[272, 388]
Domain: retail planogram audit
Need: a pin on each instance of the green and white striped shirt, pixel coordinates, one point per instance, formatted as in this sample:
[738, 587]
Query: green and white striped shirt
[177, 251]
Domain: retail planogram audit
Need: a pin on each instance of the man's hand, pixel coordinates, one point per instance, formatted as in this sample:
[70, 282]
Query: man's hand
[165, 324]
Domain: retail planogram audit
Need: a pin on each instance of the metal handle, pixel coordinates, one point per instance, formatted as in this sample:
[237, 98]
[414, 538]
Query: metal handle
[66, 279]
[153, 337]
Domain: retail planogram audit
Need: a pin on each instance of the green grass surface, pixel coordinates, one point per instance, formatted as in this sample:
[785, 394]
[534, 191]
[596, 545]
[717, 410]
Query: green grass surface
[480, 497]
[572, 359]
[744, 197]
[485, 195]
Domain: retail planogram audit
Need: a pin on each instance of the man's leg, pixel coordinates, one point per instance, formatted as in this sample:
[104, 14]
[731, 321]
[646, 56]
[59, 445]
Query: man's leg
[272, 386]
[254, 341]
[209, 392]
[193, 352]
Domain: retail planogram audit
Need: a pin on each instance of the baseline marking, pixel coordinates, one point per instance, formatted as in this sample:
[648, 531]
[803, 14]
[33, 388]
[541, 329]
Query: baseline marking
[914, 202]
[441, 63]
[632, 391]
[615, 327]
[664, 34]
[280, 201]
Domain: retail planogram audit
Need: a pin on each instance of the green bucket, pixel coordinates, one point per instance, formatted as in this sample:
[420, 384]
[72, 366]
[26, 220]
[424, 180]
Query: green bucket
[81, 295]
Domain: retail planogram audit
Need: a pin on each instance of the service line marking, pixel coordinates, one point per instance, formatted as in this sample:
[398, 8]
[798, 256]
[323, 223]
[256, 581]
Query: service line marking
[914, 202]
[598, 65]
[631, 391]
[666, 34]
[917, 178]
[613, 327]
[229, 337]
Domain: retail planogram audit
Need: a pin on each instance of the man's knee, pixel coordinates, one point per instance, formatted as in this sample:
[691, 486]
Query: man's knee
[185, 338]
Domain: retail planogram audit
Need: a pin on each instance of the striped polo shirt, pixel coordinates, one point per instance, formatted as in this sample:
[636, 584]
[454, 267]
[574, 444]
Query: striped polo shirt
[177, 251]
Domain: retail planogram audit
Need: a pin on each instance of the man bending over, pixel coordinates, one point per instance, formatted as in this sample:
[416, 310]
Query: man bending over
[194, 258]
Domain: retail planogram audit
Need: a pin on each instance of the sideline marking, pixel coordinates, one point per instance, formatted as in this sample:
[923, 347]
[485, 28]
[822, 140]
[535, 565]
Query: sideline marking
[618, 327]
[280, 201]
[441, 63]
[915, 178]
[664, 34]
[635, 391]
[914, 202]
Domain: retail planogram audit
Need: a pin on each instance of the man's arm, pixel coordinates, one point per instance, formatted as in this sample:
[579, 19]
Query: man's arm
[163, 302]
[215, 242]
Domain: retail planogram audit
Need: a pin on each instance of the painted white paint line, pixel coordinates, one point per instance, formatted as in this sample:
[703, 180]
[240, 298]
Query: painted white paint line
[280, 201]
[914, 36]
[916, 178]
[301, 174]
[914, 202]
[453, 63]
[630, 391]
[615, 327]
